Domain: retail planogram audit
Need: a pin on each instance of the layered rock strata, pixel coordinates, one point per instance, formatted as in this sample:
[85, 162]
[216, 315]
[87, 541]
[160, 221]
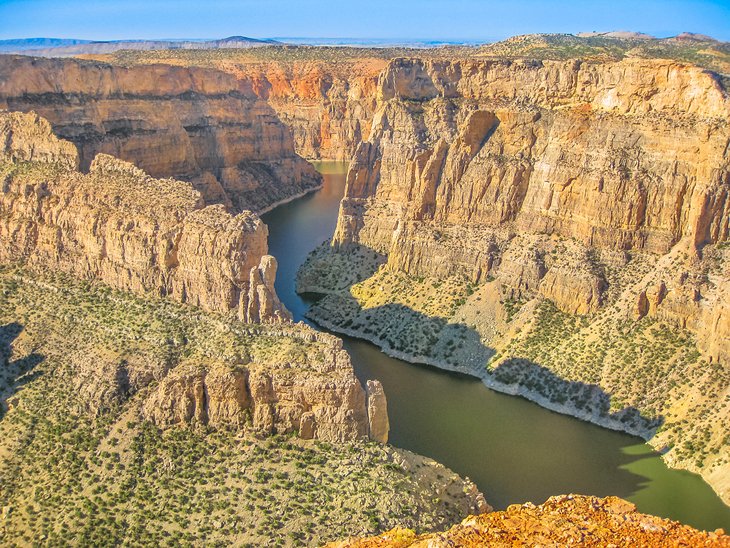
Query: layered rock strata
[625, 157]
[195, 124]
[328, 106]
[118, 225]
[560, 521]
[326, 96]
[317, 398]
[510, 200]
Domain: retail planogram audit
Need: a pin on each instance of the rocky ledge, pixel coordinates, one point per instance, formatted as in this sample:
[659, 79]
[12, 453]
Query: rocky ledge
[560, 521]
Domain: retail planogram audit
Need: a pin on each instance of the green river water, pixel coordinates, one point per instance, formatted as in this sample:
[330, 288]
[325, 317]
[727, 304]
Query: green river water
[513, 449]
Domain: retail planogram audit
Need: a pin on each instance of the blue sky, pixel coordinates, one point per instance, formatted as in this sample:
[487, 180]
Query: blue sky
[392, 19]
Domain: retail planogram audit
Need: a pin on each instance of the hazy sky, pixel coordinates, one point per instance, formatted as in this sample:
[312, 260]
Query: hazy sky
[418, 19]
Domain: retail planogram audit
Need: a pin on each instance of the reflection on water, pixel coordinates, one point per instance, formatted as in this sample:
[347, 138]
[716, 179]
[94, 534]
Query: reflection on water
[513, 449]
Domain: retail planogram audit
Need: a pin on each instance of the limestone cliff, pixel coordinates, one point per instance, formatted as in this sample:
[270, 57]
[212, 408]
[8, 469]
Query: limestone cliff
[560, 521]
[556, 228]
[328, 106]
[317, 397]
[628, 156]
[325, 95]
[118, 225]
[196, 124]
[186, 367]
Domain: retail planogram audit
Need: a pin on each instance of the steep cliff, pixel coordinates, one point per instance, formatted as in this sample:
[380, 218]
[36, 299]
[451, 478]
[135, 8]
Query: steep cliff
[196, 124]
[309, 390]
[557, 228]
[560, 521]
[328, 106]
[118, 225]
[326, 96]
[627, 156]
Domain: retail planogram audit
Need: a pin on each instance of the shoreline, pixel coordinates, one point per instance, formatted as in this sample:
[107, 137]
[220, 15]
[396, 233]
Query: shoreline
[511, 390]
[291, 198]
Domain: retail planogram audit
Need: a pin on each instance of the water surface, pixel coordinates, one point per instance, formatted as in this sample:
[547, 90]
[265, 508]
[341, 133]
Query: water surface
[513, 449]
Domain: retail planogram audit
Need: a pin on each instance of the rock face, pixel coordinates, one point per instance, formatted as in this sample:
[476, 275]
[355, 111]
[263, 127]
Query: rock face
[557, 228]
[626, 156]
[148, 236]
[262, 302]
[328, 106]
[377, 412]
[318, 400]
[195, 124]
[118, 225]
[560, 521]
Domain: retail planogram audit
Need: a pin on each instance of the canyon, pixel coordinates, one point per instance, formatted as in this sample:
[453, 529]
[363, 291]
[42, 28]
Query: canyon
[139, 330]
[154, 238]
[118, 225]
[556, 227]
[199, 125]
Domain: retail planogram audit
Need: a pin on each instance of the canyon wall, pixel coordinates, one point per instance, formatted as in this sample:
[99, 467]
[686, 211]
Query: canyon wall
[196, 124]
[622, 157]
[557, 228]
[118, 225]
[628, 155]
[329, 106]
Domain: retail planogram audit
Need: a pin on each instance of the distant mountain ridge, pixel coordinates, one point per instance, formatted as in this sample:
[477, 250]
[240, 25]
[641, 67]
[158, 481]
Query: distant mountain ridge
[57, 47]
[17, 45]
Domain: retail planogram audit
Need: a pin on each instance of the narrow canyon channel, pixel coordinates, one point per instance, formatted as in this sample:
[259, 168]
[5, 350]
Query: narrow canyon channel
[513, 449]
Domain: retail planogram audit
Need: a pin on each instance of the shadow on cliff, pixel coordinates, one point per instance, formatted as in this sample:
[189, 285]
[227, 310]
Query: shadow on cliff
[405, 333]
[531, 453]
[415, 337]
[14, 374]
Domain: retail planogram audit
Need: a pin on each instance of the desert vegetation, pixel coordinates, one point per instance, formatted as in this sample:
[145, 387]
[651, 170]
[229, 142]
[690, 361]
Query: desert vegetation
[80, 465]
[645, 376]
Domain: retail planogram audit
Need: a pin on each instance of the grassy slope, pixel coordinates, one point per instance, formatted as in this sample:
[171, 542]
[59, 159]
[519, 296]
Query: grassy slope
[646, 377]
[77, 470]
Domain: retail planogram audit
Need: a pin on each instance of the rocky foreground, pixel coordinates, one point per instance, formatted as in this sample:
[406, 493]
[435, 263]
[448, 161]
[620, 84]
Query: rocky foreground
[561, 521]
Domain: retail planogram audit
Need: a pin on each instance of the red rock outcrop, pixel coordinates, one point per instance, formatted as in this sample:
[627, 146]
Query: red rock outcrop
[127, 229]
[560, 521]
[196, 124]
[328, 106]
